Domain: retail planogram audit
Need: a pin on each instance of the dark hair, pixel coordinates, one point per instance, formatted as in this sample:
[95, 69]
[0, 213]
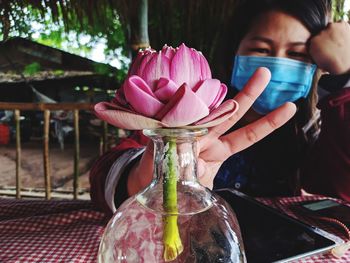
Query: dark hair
[313, 14]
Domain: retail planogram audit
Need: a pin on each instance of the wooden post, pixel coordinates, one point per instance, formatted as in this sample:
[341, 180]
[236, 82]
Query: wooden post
[76, 155]
[117, 135]
[18, 154]
[45, 107]
[46, 155]
[101, 145]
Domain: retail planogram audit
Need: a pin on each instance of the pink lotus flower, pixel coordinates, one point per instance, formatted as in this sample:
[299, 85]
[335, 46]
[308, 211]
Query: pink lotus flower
[169, 88]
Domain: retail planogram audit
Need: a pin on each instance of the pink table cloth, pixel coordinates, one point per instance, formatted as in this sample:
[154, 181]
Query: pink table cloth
[70, 231]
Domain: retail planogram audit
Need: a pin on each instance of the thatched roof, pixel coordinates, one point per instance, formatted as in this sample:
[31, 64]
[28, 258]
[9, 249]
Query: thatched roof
[56, 67]
[18, 52]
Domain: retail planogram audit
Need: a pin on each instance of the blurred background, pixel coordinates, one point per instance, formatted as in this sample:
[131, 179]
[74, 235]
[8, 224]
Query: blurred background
[78, 52]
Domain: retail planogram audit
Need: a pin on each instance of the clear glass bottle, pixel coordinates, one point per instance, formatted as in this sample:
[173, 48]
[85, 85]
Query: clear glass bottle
[175, 219]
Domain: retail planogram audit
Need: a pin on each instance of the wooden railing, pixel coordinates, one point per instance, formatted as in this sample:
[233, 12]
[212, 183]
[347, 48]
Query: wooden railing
[47, 108]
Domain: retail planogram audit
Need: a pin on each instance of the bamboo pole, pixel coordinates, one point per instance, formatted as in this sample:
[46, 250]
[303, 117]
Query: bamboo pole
[138, 17]
[46, 155]
[18, 154]
[76, 155]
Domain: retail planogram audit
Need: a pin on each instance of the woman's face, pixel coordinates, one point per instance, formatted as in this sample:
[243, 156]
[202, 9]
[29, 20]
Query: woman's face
[276, 34]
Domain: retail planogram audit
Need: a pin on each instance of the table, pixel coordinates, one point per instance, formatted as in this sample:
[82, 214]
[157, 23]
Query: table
[49, 231]
[43, 231]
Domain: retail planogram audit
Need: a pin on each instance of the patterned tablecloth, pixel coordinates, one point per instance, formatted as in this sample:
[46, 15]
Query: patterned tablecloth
[70, 231]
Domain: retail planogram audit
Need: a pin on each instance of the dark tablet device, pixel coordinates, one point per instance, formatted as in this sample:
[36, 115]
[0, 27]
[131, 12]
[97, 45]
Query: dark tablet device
[326, 208]
[270, 236]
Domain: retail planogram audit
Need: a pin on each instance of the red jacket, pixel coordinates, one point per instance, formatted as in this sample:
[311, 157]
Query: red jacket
[101, 167]
[327, 170]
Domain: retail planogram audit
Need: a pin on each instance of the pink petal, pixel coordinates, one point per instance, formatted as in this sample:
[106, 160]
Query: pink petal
[219, 115]
[157, 67]
[125, 120]
[143, 56]
[113, 106]
[185, 67]
[166, 88]
[184, 108]
[205, 69]
[141, 97]
[148, 55]
[208, 91]
[196, 64]
[220, 96]
[136, 63]
[169, 52]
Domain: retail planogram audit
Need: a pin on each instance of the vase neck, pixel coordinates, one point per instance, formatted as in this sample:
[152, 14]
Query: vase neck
[177, 155]
[175, 170]
[175, 149]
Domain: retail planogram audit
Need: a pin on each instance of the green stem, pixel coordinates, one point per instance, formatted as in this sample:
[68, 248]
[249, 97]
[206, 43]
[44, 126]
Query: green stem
[171, 236]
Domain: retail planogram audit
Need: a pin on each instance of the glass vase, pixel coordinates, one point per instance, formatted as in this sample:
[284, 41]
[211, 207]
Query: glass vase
[175, 219]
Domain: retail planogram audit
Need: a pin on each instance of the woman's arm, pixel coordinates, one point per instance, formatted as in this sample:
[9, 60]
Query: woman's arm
[142, 172]
[327, 169]
[108, 174]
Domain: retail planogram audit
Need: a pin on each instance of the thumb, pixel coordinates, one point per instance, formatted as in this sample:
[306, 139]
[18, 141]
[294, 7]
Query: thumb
[200, 168]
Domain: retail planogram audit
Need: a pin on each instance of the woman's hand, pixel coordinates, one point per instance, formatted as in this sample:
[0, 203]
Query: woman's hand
[330, 49]
[215, 148]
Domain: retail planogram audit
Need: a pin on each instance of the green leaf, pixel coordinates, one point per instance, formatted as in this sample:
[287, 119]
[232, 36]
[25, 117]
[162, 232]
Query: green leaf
[31, 69]
[102, 69]
[58, 72]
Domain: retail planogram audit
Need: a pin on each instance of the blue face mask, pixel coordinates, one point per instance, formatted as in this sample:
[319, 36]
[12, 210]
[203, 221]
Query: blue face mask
[290, 80]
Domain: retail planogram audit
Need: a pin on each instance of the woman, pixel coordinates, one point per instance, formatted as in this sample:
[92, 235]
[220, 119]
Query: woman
[274, 33]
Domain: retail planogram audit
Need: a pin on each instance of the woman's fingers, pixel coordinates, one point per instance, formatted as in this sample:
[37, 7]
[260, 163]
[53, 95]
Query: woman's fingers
[251, 91]
[246, 136]
[245, 99]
